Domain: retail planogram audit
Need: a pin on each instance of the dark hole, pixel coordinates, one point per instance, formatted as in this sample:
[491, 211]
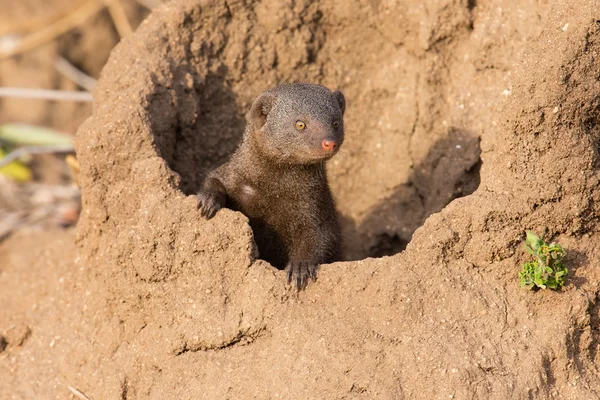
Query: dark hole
[198, 123]
[201, 129]
[387, 245]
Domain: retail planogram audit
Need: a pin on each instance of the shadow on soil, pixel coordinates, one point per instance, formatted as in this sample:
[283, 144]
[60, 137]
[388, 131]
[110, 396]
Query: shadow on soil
[449, 171]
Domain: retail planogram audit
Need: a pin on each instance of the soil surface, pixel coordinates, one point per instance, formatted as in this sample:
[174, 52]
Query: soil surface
[468, 122]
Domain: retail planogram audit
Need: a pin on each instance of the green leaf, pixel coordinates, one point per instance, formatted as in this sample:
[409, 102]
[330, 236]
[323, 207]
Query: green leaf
[30, 135]
[540, 284]
[15, 170]
[529, 249]
[548, 270]
[533, 240]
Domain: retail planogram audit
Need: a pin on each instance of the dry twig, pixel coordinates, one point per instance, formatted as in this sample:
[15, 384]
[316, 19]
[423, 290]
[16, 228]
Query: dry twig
[48, 33]
[36, 22]
[46, 94]
[149, 4]
[78, 394]
[63, 66]
[117, 13]
[74, 165]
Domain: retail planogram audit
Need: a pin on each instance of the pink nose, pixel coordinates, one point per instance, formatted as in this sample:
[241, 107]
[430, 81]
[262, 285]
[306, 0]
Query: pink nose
[328, 145]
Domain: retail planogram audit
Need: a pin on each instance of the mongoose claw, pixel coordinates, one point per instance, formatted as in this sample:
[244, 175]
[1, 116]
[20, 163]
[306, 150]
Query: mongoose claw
[208, 203]
[300, 272]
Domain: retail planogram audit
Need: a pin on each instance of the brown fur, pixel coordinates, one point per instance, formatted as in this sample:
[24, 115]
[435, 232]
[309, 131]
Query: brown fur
[277, 178]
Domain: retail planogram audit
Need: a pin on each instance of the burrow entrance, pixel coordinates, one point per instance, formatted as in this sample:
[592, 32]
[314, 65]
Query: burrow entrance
[403, 159]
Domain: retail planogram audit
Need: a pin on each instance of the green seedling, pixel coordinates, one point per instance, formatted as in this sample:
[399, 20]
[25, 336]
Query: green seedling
[547, 270]
[18, 141]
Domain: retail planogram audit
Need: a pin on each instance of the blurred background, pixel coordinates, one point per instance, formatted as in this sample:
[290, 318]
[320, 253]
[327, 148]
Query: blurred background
[51, 53]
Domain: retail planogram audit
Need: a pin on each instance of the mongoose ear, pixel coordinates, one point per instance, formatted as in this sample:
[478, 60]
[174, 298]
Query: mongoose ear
[339, 96]
[260, 109]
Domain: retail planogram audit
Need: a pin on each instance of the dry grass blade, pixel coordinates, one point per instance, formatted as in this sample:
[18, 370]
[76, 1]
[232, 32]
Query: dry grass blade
[117, 13]
[78, 394]
[36, 22]
[63, 66]
[149, 4]
[74, 165]
[69, 21]
[46, 94]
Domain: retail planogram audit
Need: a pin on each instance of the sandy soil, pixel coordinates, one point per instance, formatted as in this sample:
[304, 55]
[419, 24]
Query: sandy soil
[467, 123]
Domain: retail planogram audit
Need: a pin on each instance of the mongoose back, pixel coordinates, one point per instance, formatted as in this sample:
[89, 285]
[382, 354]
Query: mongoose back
[276, 177]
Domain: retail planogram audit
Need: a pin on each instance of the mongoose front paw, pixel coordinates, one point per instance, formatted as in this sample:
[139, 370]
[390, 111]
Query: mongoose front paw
[209, 203]
[300, 272]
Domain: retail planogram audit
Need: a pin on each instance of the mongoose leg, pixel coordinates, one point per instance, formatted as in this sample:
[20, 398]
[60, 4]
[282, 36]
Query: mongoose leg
[300, 272]
[211, 198]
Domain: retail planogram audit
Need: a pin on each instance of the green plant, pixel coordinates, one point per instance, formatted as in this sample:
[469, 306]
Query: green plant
[18, 141]
[15, 170]
[547, 270]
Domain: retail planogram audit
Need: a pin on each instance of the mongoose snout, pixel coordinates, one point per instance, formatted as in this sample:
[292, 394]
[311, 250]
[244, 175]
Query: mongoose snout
[329, 145]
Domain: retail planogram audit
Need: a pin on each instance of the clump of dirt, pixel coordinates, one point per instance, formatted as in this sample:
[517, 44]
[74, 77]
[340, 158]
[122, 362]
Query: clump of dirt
[165, 304]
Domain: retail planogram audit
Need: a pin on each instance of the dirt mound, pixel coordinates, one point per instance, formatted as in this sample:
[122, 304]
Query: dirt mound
[164, 304]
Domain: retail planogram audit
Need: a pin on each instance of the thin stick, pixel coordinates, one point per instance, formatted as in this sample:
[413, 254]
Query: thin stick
[21, 151]
[63, 66]
[35, 22]
[149, 4]
[75, 168]
[50, 32]
[117, 13]
[77, 393]
[46, 94]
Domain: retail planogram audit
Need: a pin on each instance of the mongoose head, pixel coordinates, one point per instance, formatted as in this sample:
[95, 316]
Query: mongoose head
[298, 123]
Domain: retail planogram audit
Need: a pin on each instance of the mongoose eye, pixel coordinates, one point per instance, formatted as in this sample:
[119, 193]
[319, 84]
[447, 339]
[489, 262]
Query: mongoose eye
[336, 124]
[300, 125]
